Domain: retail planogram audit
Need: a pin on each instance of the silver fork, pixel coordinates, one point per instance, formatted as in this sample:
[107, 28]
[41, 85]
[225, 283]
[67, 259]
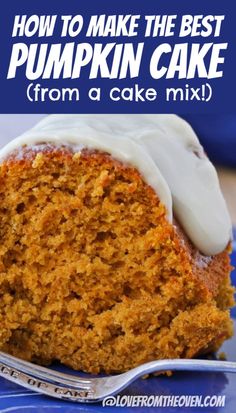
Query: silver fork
[86, 390]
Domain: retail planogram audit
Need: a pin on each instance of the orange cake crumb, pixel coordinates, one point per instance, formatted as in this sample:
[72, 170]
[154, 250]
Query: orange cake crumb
[92, 273]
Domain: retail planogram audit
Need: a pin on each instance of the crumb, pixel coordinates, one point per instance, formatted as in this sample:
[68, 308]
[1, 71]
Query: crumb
[222, 356]
[91, 272]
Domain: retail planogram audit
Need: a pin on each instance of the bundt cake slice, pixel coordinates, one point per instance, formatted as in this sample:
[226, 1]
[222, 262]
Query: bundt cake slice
[93, 271]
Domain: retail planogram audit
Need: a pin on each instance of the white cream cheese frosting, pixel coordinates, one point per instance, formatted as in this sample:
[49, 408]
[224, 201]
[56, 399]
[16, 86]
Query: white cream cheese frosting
[167, 153]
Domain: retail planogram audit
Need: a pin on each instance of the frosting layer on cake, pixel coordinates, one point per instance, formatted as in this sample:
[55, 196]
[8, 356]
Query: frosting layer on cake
[167, 153]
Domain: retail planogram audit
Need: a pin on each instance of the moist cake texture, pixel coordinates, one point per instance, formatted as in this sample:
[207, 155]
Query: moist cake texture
[93, 274]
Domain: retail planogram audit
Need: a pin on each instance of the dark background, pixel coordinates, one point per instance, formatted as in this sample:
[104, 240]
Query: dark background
[13, 91]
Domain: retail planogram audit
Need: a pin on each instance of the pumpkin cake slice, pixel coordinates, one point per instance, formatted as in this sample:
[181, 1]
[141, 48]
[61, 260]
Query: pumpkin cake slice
[95, 270]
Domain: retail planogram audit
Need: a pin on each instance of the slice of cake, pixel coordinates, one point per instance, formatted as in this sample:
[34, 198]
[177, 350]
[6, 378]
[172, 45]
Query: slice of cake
[97, 269]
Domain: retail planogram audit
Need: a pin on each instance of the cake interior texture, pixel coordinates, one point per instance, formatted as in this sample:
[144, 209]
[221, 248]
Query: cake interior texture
[93, 275]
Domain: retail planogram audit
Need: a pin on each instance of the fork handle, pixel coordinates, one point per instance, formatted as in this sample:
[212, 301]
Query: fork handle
[42, 386]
